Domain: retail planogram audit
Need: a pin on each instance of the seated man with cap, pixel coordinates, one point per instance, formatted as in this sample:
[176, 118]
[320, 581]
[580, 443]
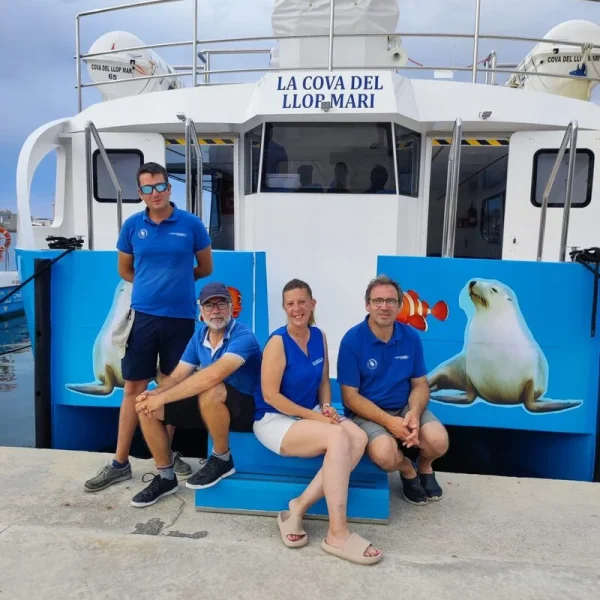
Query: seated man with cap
[219, 396]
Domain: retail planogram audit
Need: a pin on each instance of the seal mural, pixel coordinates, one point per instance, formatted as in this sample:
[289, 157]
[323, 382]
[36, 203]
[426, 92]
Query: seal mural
[501, 362]
[106, 358]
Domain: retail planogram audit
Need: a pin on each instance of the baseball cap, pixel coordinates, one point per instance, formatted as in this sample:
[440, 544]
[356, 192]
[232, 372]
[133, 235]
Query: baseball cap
[210, 290]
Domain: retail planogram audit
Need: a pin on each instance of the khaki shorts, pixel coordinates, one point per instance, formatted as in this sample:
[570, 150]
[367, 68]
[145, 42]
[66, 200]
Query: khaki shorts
[374, 430]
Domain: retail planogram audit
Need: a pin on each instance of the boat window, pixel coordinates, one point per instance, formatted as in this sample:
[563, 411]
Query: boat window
[125, 164]
[252, 159]
[408, 152]
[543, 161]
[492, 211]
[344, 158]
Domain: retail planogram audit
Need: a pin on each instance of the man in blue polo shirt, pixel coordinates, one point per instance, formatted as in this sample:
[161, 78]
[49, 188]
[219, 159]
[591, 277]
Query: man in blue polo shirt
[382, 375]
[158, 251]
[218, 396]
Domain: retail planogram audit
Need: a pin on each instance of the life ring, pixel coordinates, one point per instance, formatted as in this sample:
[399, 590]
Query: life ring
[7, 238]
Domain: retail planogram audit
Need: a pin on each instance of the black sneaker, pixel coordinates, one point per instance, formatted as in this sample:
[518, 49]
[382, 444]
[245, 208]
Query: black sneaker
[158, 488]
[213, 470]
[431, 486]
[413, 491]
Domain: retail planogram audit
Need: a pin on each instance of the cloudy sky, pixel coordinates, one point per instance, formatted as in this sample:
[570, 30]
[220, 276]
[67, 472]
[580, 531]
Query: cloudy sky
[37, 78]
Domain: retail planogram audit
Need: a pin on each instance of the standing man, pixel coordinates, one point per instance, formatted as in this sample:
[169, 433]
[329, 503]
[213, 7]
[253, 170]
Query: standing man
[158, 249]
[383, 380]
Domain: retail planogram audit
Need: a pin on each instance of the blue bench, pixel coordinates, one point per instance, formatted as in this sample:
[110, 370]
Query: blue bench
[264, 483]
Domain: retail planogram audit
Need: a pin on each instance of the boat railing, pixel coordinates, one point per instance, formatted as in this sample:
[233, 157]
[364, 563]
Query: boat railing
[569, 139]
[91, 131]
[191, 142]
[451, 201]
[490, 66]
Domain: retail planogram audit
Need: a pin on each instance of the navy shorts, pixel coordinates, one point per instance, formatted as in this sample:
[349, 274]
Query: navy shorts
[153, 339]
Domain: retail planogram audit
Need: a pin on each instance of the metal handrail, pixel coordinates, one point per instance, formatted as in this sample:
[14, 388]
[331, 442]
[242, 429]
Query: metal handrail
[569, 137]
[191, 140]
[206, 71]
[476, 40]
[90, 130]
[450, 207]
[331, 22]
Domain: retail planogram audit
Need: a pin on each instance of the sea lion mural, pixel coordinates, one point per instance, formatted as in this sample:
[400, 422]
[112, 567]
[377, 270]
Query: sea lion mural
[106, 357]
[500, 363]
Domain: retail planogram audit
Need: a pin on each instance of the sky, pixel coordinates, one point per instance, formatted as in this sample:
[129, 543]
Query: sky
[37, 79]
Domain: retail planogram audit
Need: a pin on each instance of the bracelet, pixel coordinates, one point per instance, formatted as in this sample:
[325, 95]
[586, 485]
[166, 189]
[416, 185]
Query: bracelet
[325, 406]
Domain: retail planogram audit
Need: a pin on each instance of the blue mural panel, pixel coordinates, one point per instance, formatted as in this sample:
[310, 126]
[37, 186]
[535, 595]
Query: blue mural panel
[510, 353]
[88, 298]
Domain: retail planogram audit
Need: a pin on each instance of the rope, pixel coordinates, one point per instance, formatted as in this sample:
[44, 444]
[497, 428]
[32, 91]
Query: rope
[14, 350]
[586, 258]
[47, 266]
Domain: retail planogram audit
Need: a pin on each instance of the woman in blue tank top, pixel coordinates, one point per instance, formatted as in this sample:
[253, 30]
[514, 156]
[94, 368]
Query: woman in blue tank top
[294, 417]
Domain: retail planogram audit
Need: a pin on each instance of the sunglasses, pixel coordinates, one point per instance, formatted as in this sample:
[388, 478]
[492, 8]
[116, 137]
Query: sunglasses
[159, 187]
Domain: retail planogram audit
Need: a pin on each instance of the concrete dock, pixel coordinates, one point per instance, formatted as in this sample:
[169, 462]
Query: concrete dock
[490, 537]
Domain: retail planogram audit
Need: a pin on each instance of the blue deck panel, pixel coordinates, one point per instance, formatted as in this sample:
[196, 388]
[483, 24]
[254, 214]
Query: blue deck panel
[265, 482]
[554, 302]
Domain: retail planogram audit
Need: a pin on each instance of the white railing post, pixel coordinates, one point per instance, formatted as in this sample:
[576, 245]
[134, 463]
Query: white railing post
[451, 201]
[570, 136]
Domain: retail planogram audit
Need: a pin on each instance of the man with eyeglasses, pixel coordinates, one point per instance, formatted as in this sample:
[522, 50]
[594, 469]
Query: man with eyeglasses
[162, 250]
[383, 380]
[219, 396]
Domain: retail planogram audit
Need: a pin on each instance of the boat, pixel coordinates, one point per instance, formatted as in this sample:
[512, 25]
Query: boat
[11, 299]
[334, 165]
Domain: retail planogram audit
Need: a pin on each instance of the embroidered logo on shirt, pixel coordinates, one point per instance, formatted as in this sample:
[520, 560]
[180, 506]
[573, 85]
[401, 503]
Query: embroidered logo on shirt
[142, 233]
[178, 234]
[372, 364]
[317, 362]
[402, 357]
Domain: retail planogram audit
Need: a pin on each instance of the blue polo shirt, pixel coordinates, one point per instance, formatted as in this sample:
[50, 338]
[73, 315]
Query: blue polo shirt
[381, 371]
[164, 260]
[239, 340]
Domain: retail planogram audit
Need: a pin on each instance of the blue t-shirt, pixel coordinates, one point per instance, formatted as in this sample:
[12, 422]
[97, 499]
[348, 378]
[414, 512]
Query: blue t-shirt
[164, 260]
[239, 340]
[381, 371]
[302, 375]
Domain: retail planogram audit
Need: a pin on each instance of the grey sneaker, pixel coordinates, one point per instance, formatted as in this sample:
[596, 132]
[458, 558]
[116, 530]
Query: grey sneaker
[106, 476]
[181, 468]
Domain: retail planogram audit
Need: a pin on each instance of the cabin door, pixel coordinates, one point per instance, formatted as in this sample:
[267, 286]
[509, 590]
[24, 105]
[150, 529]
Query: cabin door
[532, 157]
[481, 197]
[217, 183]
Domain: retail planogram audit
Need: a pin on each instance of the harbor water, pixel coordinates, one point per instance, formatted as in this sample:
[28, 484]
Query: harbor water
[16, 377]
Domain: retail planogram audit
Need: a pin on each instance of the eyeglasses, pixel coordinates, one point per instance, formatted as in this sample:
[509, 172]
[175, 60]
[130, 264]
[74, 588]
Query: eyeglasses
[389, 301]
[159, 187]
[221, 305]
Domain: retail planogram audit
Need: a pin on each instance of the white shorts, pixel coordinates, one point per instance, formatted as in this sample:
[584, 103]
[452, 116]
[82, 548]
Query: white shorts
[273, 426]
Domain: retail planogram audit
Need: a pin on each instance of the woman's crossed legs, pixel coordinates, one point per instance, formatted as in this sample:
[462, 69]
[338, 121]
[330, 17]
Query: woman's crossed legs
[343, 446]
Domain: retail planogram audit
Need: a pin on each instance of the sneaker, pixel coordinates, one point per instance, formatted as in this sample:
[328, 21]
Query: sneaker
[413, 491]
[431, 486]
[158, 488]
[213, 470]
[106, 476]
[181, 468]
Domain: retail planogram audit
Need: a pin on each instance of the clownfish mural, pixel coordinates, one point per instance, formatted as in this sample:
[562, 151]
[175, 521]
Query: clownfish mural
[414, 311]
[236, 300]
